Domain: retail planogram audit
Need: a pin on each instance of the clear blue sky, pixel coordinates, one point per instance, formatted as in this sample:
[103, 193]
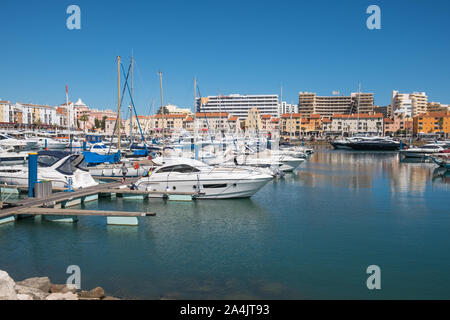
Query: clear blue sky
[246, 46]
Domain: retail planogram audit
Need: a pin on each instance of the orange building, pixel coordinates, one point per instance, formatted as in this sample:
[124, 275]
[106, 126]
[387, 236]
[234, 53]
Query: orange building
[433, 122]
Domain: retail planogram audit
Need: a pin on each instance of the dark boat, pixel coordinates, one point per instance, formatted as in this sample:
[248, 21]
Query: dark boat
[374, 144]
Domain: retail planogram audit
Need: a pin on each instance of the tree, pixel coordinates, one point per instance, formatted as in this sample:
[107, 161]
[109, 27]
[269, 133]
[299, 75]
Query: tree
[166, 111]
[103, 123]
[84, 118]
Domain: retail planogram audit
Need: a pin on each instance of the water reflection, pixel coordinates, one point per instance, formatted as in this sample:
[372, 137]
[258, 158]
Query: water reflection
[366, 170]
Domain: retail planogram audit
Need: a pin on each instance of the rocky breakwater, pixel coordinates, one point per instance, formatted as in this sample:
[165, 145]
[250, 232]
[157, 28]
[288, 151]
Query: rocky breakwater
[40, 288]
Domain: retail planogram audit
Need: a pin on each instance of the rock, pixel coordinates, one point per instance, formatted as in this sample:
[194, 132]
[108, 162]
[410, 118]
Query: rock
[24, 297]
[96, 293]
[42, 283]
[7, 291]
[62, 288]
[36, 294]
[110, 298]
[62, 296]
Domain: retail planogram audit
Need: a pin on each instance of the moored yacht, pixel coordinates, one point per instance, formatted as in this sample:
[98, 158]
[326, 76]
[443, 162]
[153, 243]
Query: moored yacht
[192, 176]
[423, 151]
[374, 143]
[61, 168]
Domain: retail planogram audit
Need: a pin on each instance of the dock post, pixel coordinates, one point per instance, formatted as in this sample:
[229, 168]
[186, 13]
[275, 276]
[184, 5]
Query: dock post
[32, 173]
[196, 151]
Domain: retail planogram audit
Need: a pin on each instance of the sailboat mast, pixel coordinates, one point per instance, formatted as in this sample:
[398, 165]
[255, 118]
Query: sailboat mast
[359, 99]
[195, 110]
[68, 112]
[162, 106]
[118, 101]
[131, 108]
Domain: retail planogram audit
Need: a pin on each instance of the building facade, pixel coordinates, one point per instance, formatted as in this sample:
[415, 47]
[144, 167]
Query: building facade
[409, 104]
[239, 105]
[433, 122]
[310, 103]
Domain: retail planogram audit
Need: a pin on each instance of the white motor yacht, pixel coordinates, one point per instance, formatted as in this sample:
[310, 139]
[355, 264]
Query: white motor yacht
[55, 166]
[9, 157]
[192, 176]
[8, 141]
[423, 151]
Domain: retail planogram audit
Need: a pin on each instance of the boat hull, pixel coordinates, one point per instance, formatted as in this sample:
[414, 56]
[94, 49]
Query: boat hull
[207, 189]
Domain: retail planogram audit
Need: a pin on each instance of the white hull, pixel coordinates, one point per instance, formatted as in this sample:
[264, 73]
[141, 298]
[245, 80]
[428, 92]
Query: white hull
[224, 188]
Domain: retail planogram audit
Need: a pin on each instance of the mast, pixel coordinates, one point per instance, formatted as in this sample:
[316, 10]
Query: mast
[359, 99]
[195, 111]
[131, 110]
[162, 107]
[68, 112]
[118, 101]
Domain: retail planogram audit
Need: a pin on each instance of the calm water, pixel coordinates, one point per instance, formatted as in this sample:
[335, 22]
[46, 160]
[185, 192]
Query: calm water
[310, 235]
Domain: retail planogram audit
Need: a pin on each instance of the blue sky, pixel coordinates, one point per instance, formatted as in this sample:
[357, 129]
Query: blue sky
[247, 47]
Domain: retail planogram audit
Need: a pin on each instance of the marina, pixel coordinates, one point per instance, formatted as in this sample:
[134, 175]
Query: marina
[213, 152]
[339, 204]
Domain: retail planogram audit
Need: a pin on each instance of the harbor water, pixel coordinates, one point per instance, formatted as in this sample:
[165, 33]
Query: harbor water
[309, 235]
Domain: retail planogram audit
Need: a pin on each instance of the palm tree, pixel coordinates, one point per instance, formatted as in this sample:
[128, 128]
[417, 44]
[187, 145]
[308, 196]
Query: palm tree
[84, 118]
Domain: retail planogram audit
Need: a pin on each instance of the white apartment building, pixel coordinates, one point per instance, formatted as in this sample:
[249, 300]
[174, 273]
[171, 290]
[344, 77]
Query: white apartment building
[6, 111]
[409, 104]
[239, 105]
[287, 108]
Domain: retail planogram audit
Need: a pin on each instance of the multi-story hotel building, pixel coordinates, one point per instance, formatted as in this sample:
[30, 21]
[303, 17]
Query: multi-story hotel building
[239, 105]
[409, 104]
[310, 103]
[437, 107]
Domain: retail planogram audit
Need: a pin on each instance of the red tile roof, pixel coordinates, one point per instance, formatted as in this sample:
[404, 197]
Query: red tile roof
[294, 115]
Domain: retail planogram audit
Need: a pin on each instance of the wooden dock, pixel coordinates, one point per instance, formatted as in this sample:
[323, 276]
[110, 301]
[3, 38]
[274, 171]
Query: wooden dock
[56, 204]
[54, 208]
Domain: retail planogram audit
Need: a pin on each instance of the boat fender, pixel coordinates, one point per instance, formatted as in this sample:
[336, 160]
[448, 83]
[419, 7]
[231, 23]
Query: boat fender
[136, 165]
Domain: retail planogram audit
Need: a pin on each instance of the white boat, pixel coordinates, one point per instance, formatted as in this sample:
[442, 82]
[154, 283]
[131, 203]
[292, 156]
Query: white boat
[61, 168]
[9, 157]
[192, 176]
[424, 151]
[8, 141]
[102, 148]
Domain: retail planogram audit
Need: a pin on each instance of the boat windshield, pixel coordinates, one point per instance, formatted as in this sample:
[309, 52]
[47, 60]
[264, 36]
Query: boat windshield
[47, 160]
[67, 167]
[180, 168]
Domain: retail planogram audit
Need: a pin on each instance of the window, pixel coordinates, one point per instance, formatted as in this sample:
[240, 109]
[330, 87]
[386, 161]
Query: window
[180, 168]
[215, 186]
[47, 160]
[66, 167]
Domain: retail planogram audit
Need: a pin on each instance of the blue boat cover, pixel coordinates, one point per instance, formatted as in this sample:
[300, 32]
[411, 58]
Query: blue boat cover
[95, 158]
